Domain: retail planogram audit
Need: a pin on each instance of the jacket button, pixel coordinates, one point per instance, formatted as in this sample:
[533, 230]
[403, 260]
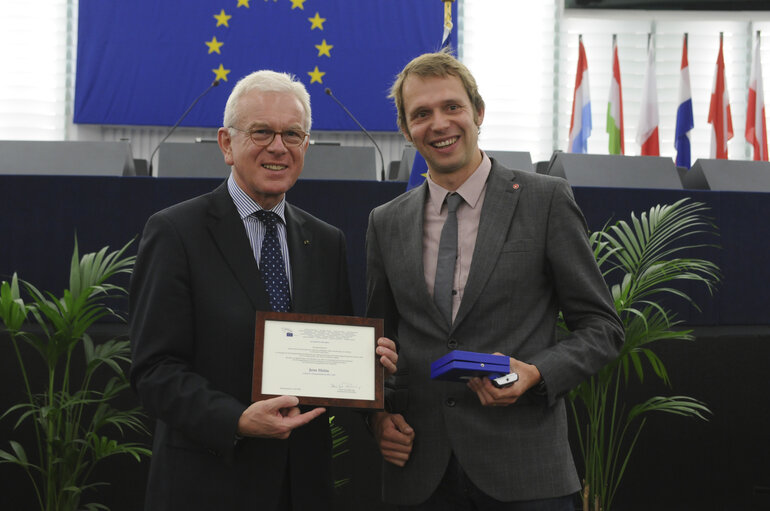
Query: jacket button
[452, 344]
[450, 402]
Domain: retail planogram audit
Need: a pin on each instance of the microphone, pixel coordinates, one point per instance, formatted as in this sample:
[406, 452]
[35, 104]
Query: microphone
[149, 164]
[382, 161]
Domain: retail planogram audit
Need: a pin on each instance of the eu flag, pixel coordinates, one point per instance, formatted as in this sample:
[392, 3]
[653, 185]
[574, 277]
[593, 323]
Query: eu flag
[143, 62]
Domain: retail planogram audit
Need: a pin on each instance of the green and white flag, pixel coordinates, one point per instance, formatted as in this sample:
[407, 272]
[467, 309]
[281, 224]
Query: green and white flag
[615, 106]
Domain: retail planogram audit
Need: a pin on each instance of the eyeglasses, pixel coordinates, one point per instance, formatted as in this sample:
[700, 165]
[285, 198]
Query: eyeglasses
[265, 136]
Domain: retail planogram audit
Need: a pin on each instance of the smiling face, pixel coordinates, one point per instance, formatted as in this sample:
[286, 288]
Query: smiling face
[265, 173]
[443, 125]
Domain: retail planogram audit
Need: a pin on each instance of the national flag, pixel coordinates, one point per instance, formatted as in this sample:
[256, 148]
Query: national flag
[580, 123]
[756, 129]
[143, 62]
[615, 106]
[419, 171]
[446, 38]
[719, 110]
[684, 116]
[647, 132]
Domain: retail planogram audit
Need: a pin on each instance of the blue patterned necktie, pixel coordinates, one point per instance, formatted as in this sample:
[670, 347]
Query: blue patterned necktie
[271, 264]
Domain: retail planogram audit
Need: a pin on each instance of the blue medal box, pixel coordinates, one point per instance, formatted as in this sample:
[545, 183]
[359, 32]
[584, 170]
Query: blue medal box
[463, 365]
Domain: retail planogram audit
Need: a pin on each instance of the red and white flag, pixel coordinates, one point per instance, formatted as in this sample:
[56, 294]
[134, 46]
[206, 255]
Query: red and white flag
[647, 133]
[719, 110]
[756, 129]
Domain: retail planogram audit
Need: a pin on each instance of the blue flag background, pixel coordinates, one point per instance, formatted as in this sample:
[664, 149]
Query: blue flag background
[143, 62]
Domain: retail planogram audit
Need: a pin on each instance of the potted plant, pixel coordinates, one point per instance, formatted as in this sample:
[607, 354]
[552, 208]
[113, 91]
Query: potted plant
[71, 414]
[647, 258]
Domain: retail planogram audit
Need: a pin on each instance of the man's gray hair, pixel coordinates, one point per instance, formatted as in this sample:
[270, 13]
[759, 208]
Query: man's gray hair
[267, 81]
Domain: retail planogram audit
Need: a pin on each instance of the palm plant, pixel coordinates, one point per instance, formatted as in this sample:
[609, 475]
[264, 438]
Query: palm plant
[647, 259]
[71, 410]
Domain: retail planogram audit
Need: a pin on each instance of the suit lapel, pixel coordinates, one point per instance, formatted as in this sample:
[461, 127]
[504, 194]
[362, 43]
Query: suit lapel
[500, 202]
[229, 234]
[300, 242]
[409, 235]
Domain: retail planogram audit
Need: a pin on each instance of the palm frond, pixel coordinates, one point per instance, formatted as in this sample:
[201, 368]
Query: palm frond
[70, 412]
[648, 258]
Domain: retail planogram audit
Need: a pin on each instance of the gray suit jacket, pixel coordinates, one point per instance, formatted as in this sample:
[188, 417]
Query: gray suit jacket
[532, 259]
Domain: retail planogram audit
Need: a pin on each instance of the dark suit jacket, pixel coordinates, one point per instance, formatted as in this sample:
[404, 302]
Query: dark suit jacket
[532, 258]
[194, 293]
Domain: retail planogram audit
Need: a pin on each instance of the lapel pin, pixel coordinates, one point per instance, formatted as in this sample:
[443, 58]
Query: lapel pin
[306, 242]
[516, 186]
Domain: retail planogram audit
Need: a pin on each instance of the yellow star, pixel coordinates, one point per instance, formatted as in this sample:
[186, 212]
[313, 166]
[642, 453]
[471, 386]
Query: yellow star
[221, 73]
[298, 3]
[323, 48]
[315, 75]
[242, 3]
[214, 45]
[316, 22]
[222, 18]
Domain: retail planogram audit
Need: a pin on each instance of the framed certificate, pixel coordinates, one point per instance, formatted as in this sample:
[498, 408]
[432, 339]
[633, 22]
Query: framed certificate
[323, 360]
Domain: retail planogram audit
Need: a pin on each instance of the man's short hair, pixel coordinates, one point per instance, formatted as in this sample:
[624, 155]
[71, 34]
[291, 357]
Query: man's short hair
[267, 81]
[440, 64]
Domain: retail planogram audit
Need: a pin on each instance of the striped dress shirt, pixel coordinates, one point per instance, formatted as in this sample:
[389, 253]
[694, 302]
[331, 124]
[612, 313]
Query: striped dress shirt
[255, 230]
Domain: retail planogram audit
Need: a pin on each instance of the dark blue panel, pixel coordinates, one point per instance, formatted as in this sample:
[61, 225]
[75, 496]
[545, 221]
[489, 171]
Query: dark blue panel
[40, 216]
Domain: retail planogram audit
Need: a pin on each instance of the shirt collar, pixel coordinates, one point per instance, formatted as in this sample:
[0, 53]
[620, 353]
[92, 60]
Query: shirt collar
[246, 205]
[470, 190]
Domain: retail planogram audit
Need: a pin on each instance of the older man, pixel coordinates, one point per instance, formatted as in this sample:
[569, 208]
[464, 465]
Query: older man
[204, 268]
